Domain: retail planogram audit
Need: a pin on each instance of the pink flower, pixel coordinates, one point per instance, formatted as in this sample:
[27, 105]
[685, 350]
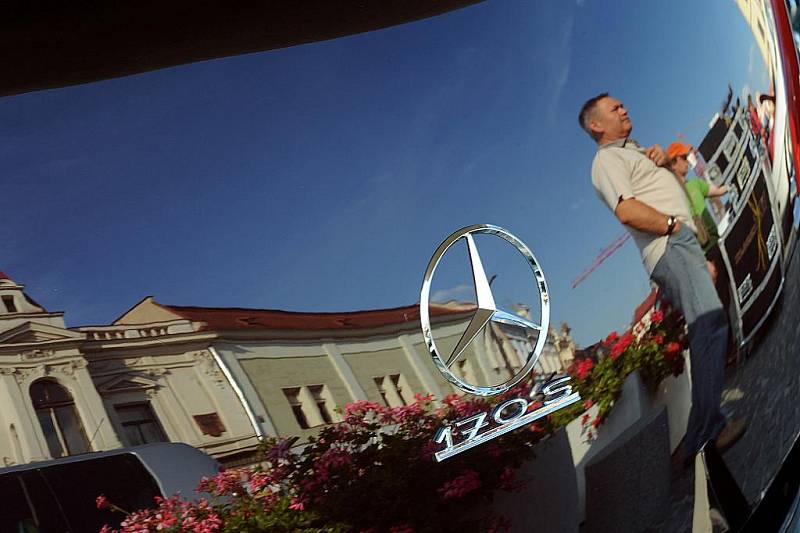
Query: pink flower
[461, 485]
[423, 398]
[101, 502]
[463, 407]
[297, 504]
[588, 403]
[332, 459]
[259, 480]
[209, 524]
[280, 450]
[226, 482]
[404, 412]
[362, 407]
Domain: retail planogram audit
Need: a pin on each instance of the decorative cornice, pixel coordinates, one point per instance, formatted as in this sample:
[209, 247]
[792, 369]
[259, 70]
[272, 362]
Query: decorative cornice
[66, 369]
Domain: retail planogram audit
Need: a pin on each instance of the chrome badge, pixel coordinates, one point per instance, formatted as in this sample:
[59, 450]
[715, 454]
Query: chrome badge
[511, 414]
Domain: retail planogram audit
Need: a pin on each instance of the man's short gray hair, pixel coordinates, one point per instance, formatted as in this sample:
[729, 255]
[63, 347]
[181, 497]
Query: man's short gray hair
[586, 111]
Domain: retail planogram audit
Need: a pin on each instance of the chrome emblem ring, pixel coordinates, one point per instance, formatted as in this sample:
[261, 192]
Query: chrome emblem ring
[487, 311]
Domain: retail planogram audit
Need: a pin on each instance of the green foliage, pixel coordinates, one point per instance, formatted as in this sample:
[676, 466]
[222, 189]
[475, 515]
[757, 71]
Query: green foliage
[246, 515]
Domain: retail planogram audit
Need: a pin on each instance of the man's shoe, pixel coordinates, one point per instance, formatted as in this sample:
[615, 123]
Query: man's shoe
[730, 434]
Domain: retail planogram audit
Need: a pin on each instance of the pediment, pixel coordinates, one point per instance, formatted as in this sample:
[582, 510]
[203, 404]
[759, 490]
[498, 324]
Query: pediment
[32, 332]
[125, 383]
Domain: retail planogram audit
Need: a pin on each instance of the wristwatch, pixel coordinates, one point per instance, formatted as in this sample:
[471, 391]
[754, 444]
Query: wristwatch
[671, 220]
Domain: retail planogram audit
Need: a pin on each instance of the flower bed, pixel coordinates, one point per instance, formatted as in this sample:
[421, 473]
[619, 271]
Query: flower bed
[654, 348]
[375, 471]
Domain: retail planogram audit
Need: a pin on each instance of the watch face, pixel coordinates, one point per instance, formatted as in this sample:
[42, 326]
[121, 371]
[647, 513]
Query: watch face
[376, 249]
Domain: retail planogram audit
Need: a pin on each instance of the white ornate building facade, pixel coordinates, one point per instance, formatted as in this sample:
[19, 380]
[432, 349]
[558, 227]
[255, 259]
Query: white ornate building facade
[221, 379]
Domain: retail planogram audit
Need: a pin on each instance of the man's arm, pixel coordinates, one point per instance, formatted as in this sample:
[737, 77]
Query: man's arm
[642, 217]
[714, 191]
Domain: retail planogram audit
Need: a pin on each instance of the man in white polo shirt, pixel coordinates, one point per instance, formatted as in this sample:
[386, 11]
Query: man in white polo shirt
[645, 196]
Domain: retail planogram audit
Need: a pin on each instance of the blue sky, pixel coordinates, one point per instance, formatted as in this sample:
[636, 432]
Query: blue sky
[322, 177]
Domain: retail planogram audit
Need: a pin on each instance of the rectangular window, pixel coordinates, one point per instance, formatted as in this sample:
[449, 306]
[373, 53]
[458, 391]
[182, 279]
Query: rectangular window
[293, 395]
[381, 389]
[140, 424]
[399, 388]
[311, 405]
[8, 301]
[393, 389]
[210, 424]
[319, 399]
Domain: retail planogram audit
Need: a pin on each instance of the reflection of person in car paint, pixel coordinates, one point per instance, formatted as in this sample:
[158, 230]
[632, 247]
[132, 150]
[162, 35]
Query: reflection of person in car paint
[697, 190]
[767, 114]
[645, 196]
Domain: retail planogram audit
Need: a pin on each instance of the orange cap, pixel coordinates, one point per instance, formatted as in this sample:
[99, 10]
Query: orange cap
[675, 149]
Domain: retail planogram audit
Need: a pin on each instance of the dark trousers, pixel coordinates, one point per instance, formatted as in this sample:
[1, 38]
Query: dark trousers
[685, 281]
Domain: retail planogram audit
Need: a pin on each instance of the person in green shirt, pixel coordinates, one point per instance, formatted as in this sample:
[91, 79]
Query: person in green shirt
[697, 190]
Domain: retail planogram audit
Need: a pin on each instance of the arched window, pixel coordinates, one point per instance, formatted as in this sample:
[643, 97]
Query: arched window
[56, 412]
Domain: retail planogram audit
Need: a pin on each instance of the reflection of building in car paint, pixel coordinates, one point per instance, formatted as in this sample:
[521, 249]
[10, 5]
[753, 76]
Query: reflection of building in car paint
[773, 113]
[217, 378]
[754, 234]
[754, 13]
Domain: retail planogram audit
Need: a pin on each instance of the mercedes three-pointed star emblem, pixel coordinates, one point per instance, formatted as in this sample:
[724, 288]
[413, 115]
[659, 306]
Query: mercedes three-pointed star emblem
[487, 311]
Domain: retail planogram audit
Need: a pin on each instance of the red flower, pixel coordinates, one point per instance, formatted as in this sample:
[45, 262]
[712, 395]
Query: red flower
[611, 339]
[534, 406]
[584, 368]
[596, 422]
[658, 338]
[657, 316]
[588, 403]
[672, 349]
[585, 419]
[621, 345]
[536, 428]
[616, 352]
